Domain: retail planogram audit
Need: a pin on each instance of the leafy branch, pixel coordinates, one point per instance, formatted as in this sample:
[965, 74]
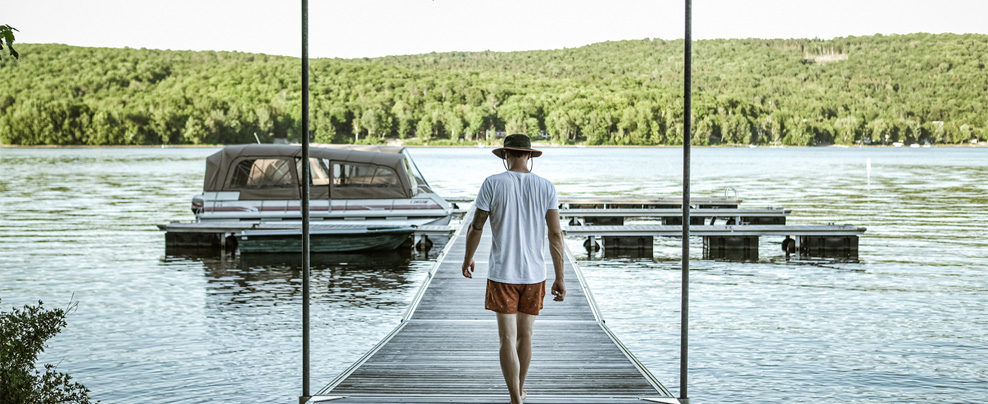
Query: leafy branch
[23, 336]
[7, 36]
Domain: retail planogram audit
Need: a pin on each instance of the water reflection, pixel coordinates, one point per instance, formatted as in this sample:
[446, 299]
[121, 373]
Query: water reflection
[732, 255]
[354, 280]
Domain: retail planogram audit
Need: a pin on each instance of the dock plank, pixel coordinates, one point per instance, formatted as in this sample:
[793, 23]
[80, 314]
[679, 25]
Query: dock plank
[446, 348]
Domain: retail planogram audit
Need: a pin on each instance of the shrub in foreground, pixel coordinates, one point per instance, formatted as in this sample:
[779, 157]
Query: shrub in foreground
[23, 336]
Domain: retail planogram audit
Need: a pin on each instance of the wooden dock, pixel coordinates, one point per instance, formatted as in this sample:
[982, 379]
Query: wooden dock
[446, 348]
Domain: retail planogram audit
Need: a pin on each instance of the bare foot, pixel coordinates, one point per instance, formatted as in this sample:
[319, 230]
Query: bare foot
[524, 394]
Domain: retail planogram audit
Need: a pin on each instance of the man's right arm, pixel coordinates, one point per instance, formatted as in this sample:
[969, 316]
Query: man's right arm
[474, 231]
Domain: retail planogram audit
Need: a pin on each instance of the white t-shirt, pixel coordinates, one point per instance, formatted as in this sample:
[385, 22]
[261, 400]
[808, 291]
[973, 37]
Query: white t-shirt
[517, 203]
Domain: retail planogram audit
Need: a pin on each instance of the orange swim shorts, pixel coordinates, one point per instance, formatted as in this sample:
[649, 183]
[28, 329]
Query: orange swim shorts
[511, 298]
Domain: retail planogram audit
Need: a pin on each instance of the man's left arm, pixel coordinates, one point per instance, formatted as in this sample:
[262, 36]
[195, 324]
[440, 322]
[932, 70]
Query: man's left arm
[556, 251]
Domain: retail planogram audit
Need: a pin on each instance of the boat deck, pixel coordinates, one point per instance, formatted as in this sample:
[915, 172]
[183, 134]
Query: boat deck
[446, 348]
[236, 228]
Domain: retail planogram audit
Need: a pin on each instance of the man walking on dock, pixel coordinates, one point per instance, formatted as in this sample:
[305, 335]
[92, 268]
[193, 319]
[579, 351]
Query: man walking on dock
[522, 207]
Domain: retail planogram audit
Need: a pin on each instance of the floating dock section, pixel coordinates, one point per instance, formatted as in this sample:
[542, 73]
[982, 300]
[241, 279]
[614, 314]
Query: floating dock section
[446, 348]
[727, 231]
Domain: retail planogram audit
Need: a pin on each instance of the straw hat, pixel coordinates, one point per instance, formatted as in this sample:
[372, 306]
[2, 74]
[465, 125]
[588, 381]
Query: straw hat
[517, 142]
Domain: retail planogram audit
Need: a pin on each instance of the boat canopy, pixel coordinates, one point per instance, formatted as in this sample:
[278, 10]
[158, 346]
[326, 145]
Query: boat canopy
[271, 172]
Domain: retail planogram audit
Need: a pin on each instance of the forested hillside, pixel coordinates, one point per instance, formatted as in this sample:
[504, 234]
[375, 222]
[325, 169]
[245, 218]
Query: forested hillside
[903, 88]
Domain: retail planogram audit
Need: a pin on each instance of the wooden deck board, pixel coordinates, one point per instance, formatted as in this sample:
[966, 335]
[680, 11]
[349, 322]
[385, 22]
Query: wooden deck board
[492, 399]
[446, 350]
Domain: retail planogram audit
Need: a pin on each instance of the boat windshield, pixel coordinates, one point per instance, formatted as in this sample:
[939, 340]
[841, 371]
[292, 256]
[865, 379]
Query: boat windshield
[263, 173]
[318, 171]
[353, 180]
[348, 174]
[414, 175]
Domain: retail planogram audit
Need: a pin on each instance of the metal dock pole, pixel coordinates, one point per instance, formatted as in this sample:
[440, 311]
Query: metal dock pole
[687, 139]
[305, 203]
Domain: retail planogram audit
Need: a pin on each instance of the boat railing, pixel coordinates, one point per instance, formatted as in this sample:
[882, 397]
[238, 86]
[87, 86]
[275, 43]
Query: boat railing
[736, 197]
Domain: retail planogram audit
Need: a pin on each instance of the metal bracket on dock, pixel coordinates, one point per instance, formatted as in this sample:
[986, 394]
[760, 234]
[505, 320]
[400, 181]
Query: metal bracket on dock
[665, 400]
[320, 399]
[797, 247]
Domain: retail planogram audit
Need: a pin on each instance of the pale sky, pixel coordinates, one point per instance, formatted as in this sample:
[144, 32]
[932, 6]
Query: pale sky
[369, 28]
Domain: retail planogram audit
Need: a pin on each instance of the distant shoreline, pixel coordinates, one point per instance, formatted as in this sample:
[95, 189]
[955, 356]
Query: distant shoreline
[628, 92]
[536, 144]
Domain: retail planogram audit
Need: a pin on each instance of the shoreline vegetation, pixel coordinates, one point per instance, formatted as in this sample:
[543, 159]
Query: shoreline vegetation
[871, 90]
[481, 145]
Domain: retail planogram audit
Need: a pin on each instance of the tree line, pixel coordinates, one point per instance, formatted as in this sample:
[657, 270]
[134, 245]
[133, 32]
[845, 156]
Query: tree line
[878, 89]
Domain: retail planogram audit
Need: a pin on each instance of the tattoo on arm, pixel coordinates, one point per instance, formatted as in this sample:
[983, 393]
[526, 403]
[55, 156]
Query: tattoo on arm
[479, 219]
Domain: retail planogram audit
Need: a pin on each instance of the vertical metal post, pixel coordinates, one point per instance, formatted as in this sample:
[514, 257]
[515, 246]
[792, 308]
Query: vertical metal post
[305, 203]
[687, 138]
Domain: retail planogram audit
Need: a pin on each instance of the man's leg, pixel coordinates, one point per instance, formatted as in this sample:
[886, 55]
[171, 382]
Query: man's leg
[525, 323]
[507, 329]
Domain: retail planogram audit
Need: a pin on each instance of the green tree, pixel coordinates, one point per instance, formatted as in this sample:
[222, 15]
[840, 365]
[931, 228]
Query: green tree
[376, 122]
[965, 133]
[703, 130]
[475, 122]
[454, 122]
[404, 118]
[878, 129]
[423, 130]
[736, 129]
[769, 129]
[797, 133]
[561, 124]
[194, 132]
[23, 336]
[322, 125]
[848, 129]
[598, 127]
[910, 131]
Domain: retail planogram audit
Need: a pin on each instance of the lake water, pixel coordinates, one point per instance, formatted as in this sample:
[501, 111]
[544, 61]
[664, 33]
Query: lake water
[906, 323]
